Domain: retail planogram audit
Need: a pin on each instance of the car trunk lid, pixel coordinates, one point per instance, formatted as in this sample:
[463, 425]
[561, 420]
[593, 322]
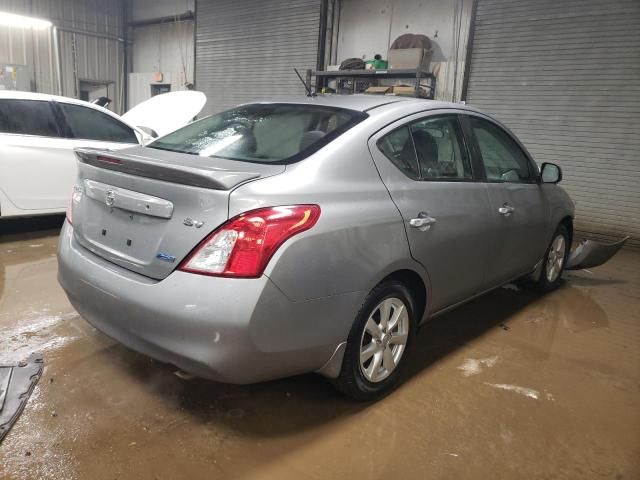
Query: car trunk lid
[146, 209]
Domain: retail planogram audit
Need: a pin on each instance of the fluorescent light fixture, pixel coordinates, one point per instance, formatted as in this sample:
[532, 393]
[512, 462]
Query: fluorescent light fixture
[20, 21]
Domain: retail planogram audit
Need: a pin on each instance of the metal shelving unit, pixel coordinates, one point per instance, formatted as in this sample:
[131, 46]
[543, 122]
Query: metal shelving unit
[418, 75]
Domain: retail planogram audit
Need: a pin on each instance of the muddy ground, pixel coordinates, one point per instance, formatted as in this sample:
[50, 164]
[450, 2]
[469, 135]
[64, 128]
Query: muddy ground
[512, 385]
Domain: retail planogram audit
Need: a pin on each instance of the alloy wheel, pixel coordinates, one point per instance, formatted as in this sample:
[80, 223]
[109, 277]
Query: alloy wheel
[384, 339]
[555, 259]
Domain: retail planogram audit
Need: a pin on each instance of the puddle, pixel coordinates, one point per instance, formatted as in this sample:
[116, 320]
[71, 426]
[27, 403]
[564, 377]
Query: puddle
[474, 366]
[527, 392]
[574, 308]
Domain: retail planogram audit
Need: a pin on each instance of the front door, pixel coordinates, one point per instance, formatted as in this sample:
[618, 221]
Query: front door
[517, 201]
[426, 167]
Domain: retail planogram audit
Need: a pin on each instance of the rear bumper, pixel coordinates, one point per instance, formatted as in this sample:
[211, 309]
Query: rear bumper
[230, 330]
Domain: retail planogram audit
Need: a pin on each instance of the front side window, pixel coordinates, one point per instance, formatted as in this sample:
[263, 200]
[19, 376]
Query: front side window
[504, 160]
[27, 117]
[89, 124]
[429, 149]
[262, 133]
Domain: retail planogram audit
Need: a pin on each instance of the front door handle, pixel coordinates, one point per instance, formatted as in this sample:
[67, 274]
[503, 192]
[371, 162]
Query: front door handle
[423, 222]
[506, 210]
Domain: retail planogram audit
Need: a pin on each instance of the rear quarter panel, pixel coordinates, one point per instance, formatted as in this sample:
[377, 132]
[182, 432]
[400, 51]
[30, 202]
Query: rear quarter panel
[360, 236]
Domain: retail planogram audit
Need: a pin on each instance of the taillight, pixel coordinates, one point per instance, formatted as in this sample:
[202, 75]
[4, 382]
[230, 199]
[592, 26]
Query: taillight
[243, 246]
[76, 196]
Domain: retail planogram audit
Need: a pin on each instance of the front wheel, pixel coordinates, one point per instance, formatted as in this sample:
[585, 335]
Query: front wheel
[554, 260]
[378, 342]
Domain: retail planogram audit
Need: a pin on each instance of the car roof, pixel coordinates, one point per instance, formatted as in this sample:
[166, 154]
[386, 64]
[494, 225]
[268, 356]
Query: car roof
[366, 102]
[22, 95]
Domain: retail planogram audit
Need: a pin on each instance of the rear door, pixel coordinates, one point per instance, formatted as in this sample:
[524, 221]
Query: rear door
[426, 166]
[518, 206]
[36, 149]
[37, 169]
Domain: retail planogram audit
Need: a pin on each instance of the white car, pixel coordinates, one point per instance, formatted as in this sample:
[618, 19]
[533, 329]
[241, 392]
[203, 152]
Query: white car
[38, 135]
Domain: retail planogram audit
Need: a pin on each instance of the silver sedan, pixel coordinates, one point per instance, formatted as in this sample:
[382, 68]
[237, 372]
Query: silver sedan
[314, 234]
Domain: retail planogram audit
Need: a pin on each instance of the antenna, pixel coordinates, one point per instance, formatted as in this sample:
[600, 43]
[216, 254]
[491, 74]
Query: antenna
[306, 86]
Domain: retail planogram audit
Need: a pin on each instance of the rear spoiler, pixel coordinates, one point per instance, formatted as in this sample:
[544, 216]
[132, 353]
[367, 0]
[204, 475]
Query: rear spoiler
[217, 179]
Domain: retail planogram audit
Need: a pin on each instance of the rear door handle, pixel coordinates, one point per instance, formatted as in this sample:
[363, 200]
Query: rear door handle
[506, 210]
[423, 222]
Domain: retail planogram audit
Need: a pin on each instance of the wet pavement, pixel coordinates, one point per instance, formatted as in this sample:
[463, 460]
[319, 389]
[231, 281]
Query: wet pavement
[512, 385]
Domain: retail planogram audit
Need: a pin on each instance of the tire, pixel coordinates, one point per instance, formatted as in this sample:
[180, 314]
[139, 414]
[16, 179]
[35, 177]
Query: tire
[371, 378]
[554, 260]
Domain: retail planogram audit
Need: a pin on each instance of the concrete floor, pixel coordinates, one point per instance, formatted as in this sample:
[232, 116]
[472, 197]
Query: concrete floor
[512, 385]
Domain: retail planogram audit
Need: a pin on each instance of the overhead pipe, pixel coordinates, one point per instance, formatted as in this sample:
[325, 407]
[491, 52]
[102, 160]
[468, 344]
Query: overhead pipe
[88, 33]
[182, 17]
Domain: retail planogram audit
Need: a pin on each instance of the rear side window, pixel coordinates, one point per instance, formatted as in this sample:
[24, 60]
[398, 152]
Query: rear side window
[440, 149]
[504, 160]
[28, 117]
[397, 146]
[429, 149]
[263, 133]
[89, 124]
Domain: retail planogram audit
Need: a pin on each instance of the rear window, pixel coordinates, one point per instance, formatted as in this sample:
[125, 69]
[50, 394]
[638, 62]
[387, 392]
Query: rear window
[262, 133]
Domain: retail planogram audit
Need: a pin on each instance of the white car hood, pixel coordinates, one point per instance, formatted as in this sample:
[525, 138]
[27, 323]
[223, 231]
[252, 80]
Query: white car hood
[166, 112]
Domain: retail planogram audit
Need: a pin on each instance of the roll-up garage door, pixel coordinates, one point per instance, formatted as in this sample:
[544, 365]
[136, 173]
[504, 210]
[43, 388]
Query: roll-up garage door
[565, 77]
[246, 50]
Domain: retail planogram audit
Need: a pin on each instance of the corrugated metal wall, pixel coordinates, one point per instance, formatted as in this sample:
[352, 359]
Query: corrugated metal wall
[246, 50]
[565, 76]
[84, 57]
[32, 49]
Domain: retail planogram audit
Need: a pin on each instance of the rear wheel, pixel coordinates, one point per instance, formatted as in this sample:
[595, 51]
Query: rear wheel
[378, 342]
[554, 260]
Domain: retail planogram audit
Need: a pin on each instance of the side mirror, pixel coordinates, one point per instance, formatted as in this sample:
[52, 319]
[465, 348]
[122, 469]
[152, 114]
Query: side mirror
[550, 173]
[149, 131]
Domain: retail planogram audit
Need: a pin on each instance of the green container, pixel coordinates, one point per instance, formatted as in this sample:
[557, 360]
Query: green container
[377, 64]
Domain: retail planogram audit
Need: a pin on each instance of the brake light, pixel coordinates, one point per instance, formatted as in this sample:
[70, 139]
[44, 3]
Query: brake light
[113, 161]
[243, 246]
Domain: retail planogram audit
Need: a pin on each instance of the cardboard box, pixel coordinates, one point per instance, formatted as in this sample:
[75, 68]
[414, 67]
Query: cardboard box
[409, 91]
[379, 90]
[409, 58]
